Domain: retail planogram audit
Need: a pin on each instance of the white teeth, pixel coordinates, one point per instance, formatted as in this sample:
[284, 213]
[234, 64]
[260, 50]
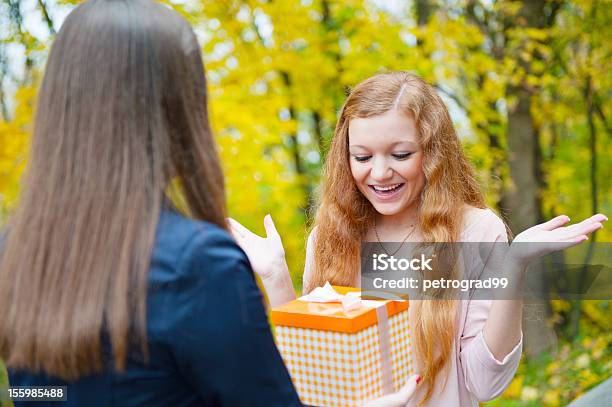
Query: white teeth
[387, 188]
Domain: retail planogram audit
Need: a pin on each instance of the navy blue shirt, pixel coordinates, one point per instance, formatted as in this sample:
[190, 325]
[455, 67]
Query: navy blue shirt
[209, 339]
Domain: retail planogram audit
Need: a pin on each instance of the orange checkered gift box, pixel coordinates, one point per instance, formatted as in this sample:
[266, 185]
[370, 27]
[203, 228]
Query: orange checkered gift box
[341, 350]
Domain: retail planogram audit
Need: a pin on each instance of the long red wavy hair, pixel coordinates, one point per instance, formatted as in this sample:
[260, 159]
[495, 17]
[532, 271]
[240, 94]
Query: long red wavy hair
[345, 215]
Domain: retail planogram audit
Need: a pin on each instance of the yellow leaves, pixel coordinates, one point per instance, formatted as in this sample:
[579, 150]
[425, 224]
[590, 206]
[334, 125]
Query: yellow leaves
[25, 99]
[598, 312]
[3, 382]
[538, 34]
[583, 361]
[559, 306]
[514, 389]
[587, 378]
[552, 398]
[14, 140]
[525, 56]
[532, 80]
[461, 34]
[600, 347]
[12, 163]
[478, 117]
[553, 367]
[493, 88]
[510, 8]
[482, 63]
[529, 393]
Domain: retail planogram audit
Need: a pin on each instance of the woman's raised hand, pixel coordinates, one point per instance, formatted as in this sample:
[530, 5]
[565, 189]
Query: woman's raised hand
[266, 254]
[552, 236]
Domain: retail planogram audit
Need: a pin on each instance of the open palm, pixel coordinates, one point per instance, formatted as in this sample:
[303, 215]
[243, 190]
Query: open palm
[552, 236]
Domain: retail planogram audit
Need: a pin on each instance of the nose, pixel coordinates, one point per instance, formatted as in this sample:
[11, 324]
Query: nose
[381, 170]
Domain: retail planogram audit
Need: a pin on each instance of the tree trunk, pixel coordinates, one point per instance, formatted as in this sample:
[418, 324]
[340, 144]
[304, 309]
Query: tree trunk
[577, 305]
[4, 113]
[295, 146]
[522, 199]
[423, 10]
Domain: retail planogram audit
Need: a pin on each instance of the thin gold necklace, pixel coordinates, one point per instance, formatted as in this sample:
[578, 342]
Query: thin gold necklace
[413, 226]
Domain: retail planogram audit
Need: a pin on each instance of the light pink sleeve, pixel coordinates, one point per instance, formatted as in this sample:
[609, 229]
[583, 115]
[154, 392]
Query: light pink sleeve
[485, 376]
[309, 258]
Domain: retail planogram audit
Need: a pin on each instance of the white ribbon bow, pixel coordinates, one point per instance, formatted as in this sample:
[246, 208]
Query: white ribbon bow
[350, 302]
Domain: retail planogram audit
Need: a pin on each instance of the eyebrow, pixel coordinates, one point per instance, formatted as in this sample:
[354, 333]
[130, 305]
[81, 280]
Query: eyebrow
[411, 143]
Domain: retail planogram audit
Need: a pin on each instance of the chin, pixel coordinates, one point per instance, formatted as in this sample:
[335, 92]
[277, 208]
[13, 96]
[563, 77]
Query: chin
[386, 210]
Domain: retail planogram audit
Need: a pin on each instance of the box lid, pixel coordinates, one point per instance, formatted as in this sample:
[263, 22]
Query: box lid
[331, 316]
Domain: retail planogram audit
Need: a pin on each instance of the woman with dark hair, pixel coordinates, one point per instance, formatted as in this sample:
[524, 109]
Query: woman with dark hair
[104, 287]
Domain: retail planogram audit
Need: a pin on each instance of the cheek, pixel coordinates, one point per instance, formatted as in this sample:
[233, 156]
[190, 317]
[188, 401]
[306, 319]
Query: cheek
[412, 171]
[359, 172]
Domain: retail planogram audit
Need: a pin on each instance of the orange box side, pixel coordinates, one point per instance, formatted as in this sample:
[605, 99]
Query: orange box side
[330, 316]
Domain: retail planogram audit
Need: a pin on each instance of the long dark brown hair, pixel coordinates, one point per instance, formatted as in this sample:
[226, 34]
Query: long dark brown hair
[121, 114]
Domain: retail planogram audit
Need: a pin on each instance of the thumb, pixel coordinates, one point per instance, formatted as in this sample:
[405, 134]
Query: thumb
[407, 391]
[269, 226]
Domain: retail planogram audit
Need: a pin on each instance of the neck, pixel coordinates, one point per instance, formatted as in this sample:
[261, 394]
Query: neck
[398, 221]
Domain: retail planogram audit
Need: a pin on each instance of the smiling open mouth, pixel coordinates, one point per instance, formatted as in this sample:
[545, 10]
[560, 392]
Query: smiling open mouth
[385, 190]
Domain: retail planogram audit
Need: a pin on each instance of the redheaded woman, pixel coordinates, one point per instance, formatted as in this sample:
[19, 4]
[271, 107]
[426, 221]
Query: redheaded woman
[396, 172]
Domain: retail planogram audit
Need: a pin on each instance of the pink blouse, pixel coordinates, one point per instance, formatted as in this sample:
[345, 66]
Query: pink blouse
[474, 375]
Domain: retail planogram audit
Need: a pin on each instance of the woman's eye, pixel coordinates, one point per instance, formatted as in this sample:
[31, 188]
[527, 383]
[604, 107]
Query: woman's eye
[362, 158]
[401, 156]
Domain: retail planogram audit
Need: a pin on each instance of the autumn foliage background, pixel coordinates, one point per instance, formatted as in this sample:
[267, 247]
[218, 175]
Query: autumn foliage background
[527, 84]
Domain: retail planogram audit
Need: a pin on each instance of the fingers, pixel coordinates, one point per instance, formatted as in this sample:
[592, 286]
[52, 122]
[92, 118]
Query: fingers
[554, 223]
[235, 234]
[270, 227]
[586, 227]
[600, 217]
[237, 229]
[407, 391]
[574, 233]
[241, 232]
